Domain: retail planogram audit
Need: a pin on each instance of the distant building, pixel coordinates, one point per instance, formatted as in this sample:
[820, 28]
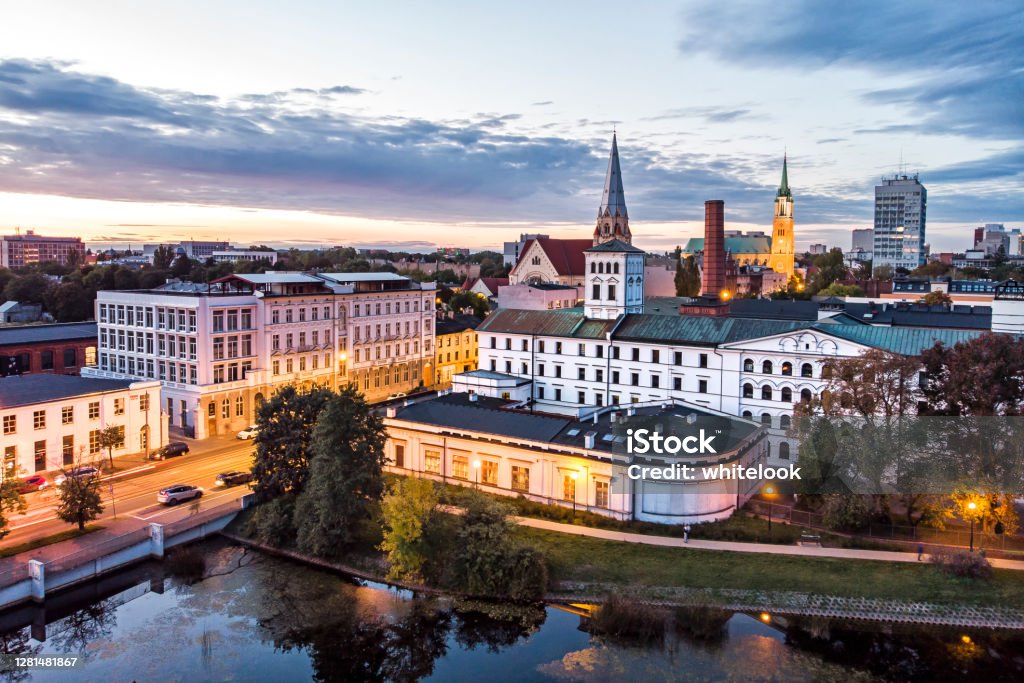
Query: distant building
[746, 248]
[244, 255]
[512, 250]
[539, 296]
[19, 251]
[488, 286]
[862, 239]
[548, 260]
[994, 239]
[15, 312]
[818, 249]
[783, 250]
[54, 421]
[452, 252]
[199, 250]
[56, 349]
[456, 347]
[900, 216]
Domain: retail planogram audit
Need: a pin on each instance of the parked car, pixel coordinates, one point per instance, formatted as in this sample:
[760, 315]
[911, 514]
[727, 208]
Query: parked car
[171, 450]
[36, 482]
[249, 432]
[77, 473]
[179, 493]
[232, 479]
[398, 395]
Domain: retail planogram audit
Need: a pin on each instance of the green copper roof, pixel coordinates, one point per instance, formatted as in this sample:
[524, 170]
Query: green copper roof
[735, 245]
[784, 185]
[908, 341]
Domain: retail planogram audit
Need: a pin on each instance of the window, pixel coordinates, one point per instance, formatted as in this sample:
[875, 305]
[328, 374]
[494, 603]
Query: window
[784, 450]
[677, 358]
[558, 371]
[70, 358]
[766, 367]
[806, 370]
[239, 406]
[460, 467]
[399, 455]
[211, 409]
[10, 460]
[94, 410]
[636, 354]
[46, 360]
[94, 441]
[118, 406]
[747, 413]
[787, 368]
[67, 415]
[558, 394]
[601, 494]
[432, 462]
[67, 450]
[748, 390]
[520, 478]
[581, 373]
[655, 381]
[611, 292]
[599, 375]
[748, 365]
[766, 393]
[635, 379]
[581, 397]
[766, 419]
[40, 453]
[225, 408]
[787, 394]
[569, 487]
[702, 386]
[144, 402]
[677, 383]
[582, 349]
[805, 395]
[703, 360]
[489, 472]
[10, 424]
[785, 421]
[39, 419]
[655, 356]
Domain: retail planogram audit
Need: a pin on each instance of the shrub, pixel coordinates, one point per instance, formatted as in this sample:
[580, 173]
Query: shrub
[625, 619]
[272, 523]
[963, 564]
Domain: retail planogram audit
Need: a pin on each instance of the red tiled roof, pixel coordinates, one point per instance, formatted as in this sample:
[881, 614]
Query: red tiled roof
[565, 255]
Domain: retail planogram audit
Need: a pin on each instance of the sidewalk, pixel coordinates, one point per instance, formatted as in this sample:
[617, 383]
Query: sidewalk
[731, 546]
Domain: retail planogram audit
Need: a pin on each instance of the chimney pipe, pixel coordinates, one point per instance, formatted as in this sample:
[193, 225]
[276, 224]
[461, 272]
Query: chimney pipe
[713, 281]
[588, 439]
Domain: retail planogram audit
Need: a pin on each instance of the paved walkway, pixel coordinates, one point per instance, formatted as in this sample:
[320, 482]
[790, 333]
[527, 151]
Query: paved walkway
[732, 546]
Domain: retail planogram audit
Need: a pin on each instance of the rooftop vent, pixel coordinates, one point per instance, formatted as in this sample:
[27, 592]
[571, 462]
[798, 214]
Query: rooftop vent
[392, 411]
[588, 439]
[691, 418]
[472, 397]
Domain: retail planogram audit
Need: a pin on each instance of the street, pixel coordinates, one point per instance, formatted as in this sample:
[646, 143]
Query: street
[132, 493]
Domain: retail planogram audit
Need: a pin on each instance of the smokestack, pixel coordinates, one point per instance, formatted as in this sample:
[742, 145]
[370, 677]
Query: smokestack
[714, 248]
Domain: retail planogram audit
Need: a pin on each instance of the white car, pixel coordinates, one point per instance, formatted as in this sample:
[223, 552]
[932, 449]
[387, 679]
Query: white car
[77, 472]
[249, 432]
[172, 495]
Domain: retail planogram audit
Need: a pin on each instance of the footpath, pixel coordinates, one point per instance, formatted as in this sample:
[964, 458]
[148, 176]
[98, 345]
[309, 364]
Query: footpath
[737, 547]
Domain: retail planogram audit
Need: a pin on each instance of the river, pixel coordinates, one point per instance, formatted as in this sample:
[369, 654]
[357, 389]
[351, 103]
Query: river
[258, 618]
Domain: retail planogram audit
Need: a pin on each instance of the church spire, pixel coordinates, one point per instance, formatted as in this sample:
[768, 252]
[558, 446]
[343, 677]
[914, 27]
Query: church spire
[784, 185]
[612, 219]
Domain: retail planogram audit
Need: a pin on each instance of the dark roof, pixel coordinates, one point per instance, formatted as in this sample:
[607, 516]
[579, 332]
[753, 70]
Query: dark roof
[773, 310]
[459, 323]
[565, 322]
[565, 255]
[33, 334]
[698, 330]
[615, 245]
[21, 390]
[902, 314]
[549, 286]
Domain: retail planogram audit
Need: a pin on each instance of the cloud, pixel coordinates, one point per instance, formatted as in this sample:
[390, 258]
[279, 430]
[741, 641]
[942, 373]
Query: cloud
[709, 114]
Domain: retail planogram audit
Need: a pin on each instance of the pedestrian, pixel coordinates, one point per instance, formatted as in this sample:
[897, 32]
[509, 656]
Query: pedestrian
[686, 534]
[920, 551]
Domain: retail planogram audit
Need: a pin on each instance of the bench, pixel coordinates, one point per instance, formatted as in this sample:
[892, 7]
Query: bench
[810, 539]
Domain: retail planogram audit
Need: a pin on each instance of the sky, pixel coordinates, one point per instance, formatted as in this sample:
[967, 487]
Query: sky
[413, 125]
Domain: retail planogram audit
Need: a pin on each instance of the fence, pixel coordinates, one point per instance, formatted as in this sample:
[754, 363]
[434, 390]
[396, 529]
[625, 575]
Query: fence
[95, 550]
[207, 515]
[892, 532]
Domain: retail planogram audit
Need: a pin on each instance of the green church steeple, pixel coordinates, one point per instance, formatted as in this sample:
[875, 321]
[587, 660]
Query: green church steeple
[784, 186]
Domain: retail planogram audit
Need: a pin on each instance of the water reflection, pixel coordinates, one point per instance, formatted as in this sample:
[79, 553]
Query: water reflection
[255, 618]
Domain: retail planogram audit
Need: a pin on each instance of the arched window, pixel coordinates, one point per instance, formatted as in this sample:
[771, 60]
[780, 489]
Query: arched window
[784, 450]
[805, 395]
[766, 367]
[806, 370]
[748, 365]
[766, 393]
[787, 394]
[785, 421]
[615, 267]
[766, 419]
[748, 390]
[826, 372]
[787, 368]
[747, 413]
[593, 267]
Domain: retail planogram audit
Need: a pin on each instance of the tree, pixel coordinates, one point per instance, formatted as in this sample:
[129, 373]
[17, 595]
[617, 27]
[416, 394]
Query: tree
[931, 269]
[283, 442]
[407, 510]
[162, 257]
[346, 474]
[936, 298]
[882, 271]
[10, 501]
[983, 376]
[69, 302]
[28, 289]
[836, 289]
[687, 277]
[827, 269]
[463, 300]
[110, 438]
[79, 500]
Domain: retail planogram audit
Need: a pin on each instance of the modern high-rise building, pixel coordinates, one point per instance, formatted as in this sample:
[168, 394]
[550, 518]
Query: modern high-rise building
[19, 251]
[900, 213]
[782, 256]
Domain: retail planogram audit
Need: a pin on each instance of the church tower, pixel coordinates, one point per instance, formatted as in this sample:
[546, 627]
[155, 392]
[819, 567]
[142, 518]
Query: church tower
[783, 246]
[612, 219]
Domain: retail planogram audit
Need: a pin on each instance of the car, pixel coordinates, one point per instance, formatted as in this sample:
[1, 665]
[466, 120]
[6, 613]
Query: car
[76, 473]
[249, 432]
[236, 478]
[171, 450]
[179, 493]
[396, 396]
[36, 482]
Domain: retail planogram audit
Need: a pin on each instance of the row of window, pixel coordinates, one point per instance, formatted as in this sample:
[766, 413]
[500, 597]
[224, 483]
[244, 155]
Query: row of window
[786, 369]
[484, 471]
[768, 394]
[654, 379]
[67, 414]
[386, 351]
[378, 308]
[39, 451]
[615, 352]
[370, 333]
[292, 314]
[291, 364]
[381, 378]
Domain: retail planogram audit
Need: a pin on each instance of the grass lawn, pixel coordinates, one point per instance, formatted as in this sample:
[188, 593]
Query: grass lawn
[47, 540]
[576, 558]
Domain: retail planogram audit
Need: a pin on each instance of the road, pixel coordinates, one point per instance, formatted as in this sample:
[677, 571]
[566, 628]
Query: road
[134, 491]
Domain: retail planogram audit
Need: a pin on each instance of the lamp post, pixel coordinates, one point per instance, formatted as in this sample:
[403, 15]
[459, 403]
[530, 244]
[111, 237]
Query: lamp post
[972, 506]
[476, 469]
[574, 476]
[769, 491]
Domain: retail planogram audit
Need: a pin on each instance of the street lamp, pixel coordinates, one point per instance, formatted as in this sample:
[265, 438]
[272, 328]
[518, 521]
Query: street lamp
[972, 506]
[476, 468]
[769, 491]
[574, 476]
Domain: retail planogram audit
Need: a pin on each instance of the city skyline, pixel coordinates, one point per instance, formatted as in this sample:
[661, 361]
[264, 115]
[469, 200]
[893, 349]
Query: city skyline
[307, 132]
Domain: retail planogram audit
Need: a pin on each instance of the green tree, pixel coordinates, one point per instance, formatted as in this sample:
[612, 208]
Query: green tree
[687, 278]
[70, 302]
[936, 298]
[827, 269]
[28, 289]
[463, 300]
[283, 442]
[163, 256]
[80, 500]
[407, 510]
[882, 271]
[836, 289]
[10, 501]
[983, 376]
[110, 438]
[346, 474]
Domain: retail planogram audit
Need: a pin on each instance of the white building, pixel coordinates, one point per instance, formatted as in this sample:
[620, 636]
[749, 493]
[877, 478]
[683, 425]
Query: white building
[244, 255]
[901, 204]
[54, 421]
[221, 349]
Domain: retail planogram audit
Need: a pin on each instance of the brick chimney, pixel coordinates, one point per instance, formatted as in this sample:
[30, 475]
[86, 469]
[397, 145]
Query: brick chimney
[713, 281]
